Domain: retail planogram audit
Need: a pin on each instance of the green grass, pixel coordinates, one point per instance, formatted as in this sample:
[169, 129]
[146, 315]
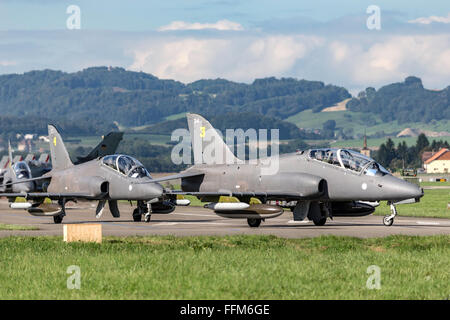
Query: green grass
[357, 121]
[176, 116]
[16, 227]
[233, 267]
[432, 205]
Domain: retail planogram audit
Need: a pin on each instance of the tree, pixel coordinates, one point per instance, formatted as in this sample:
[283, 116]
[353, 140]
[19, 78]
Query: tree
[422, 142]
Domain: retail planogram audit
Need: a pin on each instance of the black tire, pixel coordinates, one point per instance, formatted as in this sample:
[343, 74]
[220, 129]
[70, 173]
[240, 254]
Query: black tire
[137, 217]
[253, 222]
[320, 222]
[387, 222]
[58, 219]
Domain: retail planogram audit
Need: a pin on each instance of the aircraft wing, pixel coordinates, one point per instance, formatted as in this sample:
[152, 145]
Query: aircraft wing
[53, 196]
[268, 195]
[175, 176]
[27, 180]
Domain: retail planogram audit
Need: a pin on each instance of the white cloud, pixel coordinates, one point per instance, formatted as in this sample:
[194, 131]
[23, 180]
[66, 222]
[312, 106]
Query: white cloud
[354, 62]
[223, 25]
[239, 59]
[431, 19]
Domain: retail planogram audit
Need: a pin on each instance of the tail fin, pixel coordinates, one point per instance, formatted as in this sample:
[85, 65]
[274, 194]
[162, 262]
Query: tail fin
[10, 158]
[200, 128]
[106, 147]
[58, 152]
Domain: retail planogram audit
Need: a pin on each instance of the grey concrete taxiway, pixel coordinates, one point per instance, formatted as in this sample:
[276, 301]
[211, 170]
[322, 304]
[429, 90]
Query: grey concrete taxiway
[189, 221]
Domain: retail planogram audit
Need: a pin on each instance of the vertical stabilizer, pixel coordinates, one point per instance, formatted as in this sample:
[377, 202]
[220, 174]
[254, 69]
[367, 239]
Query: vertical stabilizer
[10, 158]
[203, 136]
[60, 156]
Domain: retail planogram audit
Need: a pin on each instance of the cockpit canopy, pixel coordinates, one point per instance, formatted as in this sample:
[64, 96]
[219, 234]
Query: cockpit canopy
[349, 159]
[22, 170]
[126, 165]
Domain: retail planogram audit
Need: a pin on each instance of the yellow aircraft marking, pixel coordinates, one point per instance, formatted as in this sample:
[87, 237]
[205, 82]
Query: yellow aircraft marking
[54, 141]
[202, 132]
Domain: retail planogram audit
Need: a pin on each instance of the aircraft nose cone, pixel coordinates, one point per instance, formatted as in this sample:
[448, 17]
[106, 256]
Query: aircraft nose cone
[400, 189]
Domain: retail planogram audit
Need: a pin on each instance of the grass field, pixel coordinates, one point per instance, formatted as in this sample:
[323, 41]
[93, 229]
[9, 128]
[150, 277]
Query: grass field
[432, 205]
[359, 122]
[234, 267]
[16, 227]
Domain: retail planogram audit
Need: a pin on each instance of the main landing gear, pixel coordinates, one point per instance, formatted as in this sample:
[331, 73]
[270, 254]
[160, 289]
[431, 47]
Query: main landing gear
[254, 222]
[59, 218]
[143, 209]
[388, 220]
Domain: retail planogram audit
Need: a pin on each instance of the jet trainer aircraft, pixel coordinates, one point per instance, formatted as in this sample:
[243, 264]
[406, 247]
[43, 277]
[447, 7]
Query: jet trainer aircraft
[316, 184]
[14, 173]
[106, 179]
[29, 168]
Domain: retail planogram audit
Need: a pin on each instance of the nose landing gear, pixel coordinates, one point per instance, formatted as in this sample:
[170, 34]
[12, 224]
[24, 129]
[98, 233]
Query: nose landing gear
[143, 209]
[388, 220]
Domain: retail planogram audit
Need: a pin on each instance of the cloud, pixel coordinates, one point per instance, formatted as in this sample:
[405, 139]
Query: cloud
[355, 61]
[239, 58]
[431, 19]
[223, 25]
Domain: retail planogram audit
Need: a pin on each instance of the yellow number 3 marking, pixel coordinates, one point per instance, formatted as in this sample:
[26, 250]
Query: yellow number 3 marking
[202, 132]
[54, 141]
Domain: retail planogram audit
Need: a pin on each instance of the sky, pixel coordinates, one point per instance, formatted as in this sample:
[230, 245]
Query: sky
[355, 44]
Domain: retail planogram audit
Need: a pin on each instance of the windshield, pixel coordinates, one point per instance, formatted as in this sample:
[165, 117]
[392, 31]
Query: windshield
[22, 170]
[353, 161]
[350, 160]
[126, 165]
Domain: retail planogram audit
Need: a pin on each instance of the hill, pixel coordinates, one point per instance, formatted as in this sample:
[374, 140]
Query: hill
[136, 98]
[406, 101]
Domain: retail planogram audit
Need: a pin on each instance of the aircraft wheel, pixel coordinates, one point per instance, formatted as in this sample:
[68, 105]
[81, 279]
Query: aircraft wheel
[137, 217]
[320, 222]
[58, 219]
[388, 221]
[147, 217]
[253, 222]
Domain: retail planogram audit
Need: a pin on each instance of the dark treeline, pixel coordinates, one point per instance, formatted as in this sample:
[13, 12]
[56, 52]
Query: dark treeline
[407, 101]
[402, 156]
[137, 98]
[10, 125]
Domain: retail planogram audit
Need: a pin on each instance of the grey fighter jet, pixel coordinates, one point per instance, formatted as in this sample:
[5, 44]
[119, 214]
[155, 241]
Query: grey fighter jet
[15, 172]
[316, 184]
[106, 179]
